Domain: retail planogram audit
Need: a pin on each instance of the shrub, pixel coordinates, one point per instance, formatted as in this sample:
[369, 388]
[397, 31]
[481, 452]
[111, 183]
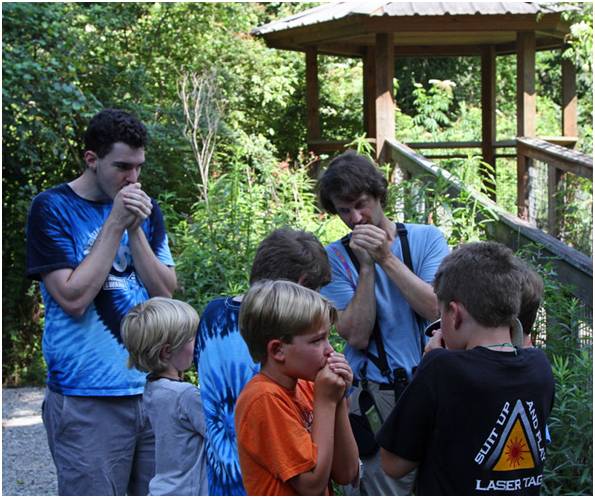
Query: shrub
[568, 468]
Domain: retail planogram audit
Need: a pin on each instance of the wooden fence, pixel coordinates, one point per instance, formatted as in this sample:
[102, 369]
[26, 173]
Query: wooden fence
[573, 267]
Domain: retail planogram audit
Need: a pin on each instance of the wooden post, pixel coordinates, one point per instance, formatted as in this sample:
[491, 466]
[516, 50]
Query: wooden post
[569, 101]
[385, 103]
[554, 179]
[312, 94]
[569, 129]
[525, 112]
[488, 116]
[370, 92]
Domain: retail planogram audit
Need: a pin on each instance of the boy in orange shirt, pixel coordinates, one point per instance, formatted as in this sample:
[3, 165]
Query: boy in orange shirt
[292, 418]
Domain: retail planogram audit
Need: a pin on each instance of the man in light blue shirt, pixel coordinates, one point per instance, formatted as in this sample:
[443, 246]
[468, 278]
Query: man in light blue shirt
[381, 292]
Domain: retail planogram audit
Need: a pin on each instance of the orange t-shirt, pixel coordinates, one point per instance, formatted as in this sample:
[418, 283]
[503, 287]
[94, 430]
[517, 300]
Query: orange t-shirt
[274, 441]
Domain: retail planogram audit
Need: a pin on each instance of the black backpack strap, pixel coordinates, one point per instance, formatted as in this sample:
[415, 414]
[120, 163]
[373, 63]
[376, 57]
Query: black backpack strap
[381, 361]
[402, 233]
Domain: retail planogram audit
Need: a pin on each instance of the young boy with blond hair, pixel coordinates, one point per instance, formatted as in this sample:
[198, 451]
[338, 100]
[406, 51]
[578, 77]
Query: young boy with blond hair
[473, 419]
[159, 335]
[292, 417]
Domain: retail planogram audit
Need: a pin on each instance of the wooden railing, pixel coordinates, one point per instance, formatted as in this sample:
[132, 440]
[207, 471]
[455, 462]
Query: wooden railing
[573, 267]
[560, 161]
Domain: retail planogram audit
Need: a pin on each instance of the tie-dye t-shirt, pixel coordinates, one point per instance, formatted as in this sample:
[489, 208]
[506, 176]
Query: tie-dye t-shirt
[224, 368]
[85, 356]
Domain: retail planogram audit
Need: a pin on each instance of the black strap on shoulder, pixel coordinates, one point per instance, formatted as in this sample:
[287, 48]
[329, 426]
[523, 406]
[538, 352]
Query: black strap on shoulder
[402, 233]
[381, 360]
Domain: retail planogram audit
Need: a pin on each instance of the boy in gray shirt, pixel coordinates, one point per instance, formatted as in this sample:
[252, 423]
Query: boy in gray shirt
[159, 335]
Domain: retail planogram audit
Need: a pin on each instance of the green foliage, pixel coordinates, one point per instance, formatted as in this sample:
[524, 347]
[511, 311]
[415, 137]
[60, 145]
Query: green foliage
[215, 243]
[64, 62]
[564, 329]
[575, 202]
[430, 200]
[432, 106]
[341, 97]
[569, 465]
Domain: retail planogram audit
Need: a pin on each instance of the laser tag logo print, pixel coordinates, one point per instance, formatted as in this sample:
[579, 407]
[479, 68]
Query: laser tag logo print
[515, 443]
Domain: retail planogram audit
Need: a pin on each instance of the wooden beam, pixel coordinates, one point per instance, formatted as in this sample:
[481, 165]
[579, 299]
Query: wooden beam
[330, 146]
[572, 267]
[445, 145]
[312, 94]
[345, 49]
[573, 161]
[370, 92]
[525, 113]
[554, 179]
[569, 100]
[488, 117]
[462, 23]
[550, 43]
[436, 51]
[385, 101]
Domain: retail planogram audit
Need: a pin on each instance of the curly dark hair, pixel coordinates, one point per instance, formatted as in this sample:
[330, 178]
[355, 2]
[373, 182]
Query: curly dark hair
[290, 254]
[114, 125]
[348, 176]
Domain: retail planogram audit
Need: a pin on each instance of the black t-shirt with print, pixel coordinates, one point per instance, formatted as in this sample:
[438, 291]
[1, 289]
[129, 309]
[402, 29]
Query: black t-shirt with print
[475, 421]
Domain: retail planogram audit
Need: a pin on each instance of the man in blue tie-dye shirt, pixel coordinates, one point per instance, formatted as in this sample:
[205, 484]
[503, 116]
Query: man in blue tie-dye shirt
[99, 247]
[224, 362]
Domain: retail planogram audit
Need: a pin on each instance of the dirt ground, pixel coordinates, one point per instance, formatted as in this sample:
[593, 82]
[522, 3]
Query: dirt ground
[27, 466]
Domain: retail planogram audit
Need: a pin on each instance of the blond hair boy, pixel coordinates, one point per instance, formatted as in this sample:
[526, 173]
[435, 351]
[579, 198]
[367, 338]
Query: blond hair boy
[159, 334]
[292, 418]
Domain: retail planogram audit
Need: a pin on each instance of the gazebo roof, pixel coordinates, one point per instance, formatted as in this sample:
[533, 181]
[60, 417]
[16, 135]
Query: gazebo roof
[346, 28]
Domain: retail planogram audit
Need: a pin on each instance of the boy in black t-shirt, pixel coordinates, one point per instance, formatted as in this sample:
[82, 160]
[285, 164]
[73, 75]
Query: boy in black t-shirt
[473, 418]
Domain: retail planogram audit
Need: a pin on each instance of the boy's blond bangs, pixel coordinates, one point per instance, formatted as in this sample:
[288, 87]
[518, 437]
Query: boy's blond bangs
[280, 310]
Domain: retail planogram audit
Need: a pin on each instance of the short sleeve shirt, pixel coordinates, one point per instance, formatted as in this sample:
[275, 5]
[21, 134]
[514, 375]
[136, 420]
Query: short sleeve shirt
[400, 331]
[475, 422]
[85, 356]
[274, 439]
[224, 368]
[175, 411]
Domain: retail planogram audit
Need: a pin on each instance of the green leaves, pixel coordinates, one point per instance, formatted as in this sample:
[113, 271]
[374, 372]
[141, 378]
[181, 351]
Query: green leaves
[568, 468]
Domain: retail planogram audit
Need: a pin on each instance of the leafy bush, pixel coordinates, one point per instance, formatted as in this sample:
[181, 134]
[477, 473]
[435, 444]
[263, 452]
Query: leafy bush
[215, 243]
[569, 465]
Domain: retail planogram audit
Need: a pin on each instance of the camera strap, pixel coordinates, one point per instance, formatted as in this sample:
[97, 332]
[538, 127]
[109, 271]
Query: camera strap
[381, 360]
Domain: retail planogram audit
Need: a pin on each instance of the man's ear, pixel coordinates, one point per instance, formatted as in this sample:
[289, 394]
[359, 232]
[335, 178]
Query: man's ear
[276, 350]
[165, 352]
[90, 158]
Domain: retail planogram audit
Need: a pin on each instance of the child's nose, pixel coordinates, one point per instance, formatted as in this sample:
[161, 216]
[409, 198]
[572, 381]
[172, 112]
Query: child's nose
[328, 349]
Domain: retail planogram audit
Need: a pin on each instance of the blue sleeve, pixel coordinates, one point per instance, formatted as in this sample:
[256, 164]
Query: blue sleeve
[432, 253]
[49, 244]
[191, 410]
[158, 239]
[344, 277]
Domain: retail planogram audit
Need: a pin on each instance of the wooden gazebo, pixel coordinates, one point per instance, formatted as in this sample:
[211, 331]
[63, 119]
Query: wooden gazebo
[379, 32]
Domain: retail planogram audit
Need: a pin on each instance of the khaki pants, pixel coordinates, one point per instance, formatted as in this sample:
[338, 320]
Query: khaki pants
[374, 482]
